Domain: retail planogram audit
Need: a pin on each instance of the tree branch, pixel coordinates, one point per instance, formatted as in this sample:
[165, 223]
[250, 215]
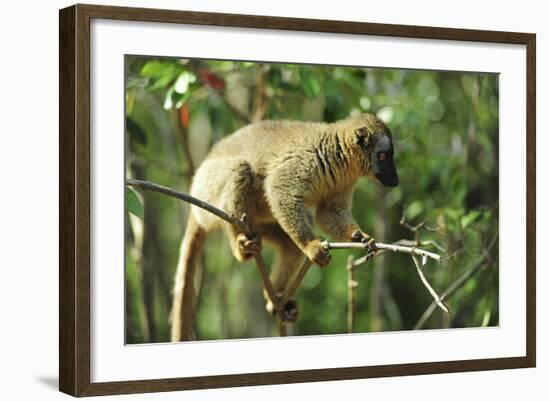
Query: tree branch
[379, 248]
[293, 287]
[411, 250]
[428, 286]
[458, 283]
[352, 286]
[146, 185]
[408, 242]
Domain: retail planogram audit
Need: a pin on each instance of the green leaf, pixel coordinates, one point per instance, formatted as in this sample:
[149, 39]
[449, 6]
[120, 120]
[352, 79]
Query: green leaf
[160, 73]
[133, 204]
[162, 82]
[157, 68]
[414, 209]
[470, 218]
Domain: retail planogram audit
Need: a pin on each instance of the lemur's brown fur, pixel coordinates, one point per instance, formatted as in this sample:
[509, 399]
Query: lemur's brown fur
[281, 174]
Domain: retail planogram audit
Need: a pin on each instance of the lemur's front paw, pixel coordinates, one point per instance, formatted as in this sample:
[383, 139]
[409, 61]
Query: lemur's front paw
[317, 253]
[248, 245]
[360, 236]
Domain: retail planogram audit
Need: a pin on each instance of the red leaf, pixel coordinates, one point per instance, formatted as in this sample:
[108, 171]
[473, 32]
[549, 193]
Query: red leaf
[211, 79]
[184, 115]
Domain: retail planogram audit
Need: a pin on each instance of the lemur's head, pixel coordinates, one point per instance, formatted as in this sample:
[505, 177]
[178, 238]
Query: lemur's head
[375, 140]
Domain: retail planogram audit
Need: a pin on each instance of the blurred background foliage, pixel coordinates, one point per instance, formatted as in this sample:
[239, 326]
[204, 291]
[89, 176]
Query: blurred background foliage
[445, 128]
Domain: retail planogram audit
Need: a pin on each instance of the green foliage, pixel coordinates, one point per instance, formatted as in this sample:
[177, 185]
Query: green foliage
[445, 129]
[133, 203]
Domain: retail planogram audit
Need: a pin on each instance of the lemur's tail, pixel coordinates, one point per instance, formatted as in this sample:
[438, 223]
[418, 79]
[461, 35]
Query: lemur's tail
[182, 316]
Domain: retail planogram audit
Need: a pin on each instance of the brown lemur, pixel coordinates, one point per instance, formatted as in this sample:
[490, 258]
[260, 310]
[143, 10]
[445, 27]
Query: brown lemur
[284, 175]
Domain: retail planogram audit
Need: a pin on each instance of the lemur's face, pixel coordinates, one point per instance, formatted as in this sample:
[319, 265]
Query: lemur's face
[377, 146]
[382, 164]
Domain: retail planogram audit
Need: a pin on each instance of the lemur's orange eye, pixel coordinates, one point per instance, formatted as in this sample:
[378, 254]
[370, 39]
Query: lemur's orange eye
[382, 156]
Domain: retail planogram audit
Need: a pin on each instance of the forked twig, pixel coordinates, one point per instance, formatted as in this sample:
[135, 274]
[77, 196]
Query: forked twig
[458, 283]
[432, 292]
[373, 251]
[412, 250]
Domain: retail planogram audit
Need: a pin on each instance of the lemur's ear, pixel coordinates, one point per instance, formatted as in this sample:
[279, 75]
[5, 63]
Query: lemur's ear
[361, 135]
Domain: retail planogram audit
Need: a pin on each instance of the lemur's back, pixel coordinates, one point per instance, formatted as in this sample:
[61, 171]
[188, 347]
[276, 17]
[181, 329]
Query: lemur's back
[258, 141]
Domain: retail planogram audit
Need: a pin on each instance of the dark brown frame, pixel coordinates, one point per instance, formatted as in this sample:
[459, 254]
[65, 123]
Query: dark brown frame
[74, 199]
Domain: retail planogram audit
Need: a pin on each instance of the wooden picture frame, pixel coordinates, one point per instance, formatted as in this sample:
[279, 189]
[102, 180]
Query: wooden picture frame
[75, 204]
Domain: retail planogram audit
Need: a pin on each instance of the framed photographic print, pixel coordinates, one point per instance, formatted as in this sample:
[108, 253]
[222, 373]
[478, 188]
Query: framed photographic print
[312, 200]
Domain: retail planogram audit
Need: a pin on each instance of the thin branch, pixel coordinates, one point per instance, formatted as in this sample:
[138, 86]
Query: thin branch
[432, 292]
[415, 228]
[266, 280]
[363, 259]
[458, 283]
[411, 250]
[352, 286]
[291, 290]
[146, 185]
[282, 328]
[408, 242]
